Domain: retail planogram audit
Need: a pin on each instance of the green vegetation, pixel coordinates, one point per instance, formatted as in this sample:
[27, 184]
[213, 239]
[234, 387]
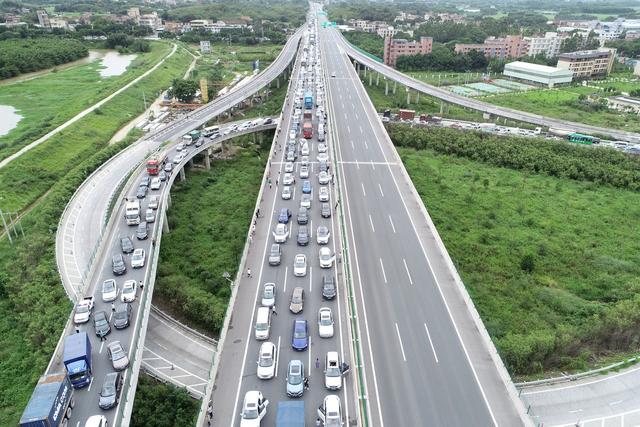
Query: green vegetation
[33, 304]
[24, 56]
[33, 173]
[48, 101]
[369, 42]
[551, 262]
[162, 405]
[291, 12]
[442, 58]
[209, 218]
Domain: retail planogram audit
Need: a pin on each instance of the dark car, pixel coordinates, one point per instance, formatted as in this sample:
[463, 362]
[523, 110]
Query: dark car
[328, 286]
[303, 216]
[303, 235]
[110, 392]
[142, 231]
[121, 315]
[285, 214]
[142, 192]
[275, 254]
[126, 245]
[101, 324]
[118, 265]
[300, 336]
[325, 210]
[162, 175]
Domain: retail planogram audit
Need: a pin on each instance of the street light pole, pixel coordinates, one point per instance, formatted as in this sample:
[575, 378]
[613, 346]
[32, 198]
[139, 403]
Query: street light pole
[227, 276]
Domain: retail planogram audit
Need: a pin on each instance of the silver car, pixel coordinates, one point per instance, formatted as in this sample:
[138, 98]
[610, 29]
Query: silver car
[295, 378]
[286, 192]
[268, 295]
[118, 356]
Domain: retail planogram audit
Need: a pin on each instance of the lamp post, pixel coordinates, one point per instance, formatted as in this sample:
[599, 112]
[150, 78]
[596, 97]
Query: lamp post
[227, 276]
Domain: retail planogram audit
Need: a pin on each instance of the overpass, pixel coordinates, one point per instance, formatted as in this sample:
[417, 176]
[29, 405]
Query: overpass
[474, 104]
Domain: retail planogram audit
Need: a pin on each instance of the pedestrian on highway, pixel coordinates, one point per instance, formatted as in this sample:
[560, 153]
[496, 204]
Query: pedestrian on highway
[273, 309]
[210, 410]
[318, 422]
[317, 363]
[306, 383]
[113, 306]
[153, 242]
[269, 182]
[258, 213]
[77, 330]
[248, 272]
[141, 285]
[276, 182]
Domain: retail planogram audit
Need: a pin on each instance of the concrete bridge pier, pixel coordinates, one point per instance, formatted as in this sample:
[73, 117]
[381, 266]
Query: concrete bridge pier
[165, 221]
[394, 87]
[370, 76]
[183, 176]
[377, 79]
[386, 87]
[207, 159]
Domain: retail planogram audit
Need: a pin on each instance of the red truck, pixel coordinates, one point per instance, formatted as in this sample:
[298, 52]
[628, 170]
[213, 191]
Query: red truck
[307, 130]
[308, 115]
[154, 164]
[407, 114]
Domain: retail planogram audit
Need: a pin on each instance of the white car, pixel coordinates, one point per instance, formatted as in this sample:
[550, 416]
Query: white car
[305, 201]
[281, 233]
[156, 183]
[300, 265]
[322, 148]
[288, 167]
[138, 257]
[179, 157]
[268, 295]
[292, 134]
[322, 235]
[150, 215]
[83, 310]
[286, 192]
[179, 147]
[288, 179]
[323, 157]
[304, 172]
[304, 161]
[129, 290]
[323, 178]
[330, 412]
[267, 361]
[323, 194]
[332, 374]
[304, 150]
[325, 322]
[326, 257]
[153, 202]
[109, 290]
[254, 408]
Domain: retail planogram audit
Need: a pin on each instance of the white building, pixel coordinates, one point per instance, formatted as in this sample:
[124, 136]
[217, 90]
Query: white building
[549, 45]
[540, 74]
[387, 32]
[150, 20]
[205, 46]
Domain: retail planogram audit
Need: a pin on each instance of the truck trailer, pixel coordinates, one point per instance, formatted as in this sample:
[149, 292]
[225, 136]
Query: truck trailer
[50, 404]
[308, 100]
[77, 359]
[290, 413]
[307, 130]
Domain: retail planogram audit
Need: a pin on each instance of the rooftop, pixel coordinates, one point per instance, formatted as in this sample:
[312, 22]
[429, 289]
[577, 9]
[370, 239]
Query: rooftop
[581, 54]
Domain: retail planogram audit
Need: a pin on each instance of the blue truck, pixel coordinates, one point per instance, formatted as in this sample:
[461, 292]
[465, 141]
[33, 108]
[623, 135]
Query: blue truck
[50, 404]
[77, 359]
[308, 100]
[290, 413]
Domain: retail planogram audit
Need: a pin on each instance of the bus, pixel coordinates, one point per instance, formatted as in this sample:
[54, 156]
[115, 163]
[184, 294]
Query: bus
[579, 138]
[211, 130]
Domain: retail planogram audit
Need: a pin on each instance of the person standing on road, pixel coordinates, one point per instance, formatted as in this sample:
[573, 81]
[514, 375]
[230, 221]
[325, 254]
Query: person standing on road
[317, 363]
[249, 272]
[113, 306]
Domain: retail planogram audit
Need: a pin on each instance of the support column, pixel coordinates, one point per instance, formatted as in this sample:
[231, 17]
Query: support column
[254, 137]
[165, 222]
[377, 79]
[278, 82]
[207, 159]
[394, 87]
[386, 87]
[191, 162]
[408, 97]
[441, 107]
[417, 97]
[183, 176]
[168, 200]
[365, 71]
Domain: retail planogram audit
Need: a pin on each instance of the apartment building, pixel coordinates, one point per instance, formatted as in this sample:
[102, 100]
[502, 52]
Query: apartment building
[395, 48]
[387, 32]
[497, 47]
[43, 18]
[588, 63]
[150, 20]
[549, 45]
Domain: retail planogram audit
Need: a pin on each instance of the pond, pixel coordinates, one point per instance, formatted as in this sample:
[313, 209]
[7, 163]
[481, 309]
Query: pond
[9, 119]
[115, 64]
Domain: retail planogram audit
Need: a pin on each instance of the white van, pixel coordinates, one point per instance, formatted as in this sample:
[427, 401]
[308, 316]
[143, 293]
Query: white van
[263, 323]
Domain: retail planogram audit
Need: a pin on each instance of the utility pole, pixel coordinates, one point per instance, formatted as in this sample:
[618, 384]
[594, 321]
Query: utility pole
[6, 229]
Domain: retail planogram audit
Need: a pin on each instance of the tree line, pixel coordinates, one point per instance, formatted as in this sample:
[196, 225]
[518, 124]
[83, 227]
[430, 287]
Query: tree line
[18, 56]
[554, 158]
[442, 58]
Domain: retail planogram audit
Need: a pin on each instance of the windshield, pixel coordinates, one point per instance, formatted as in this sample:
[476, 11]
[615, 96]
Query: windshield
[333, 371]
[325, 320]
[261, 326]
[250, 412]
[77, 376]
[120, 315]
[82, 309]
[265, 361]
[268, 293]
[295, 378]
[108, 287]
[299, 333]
[108, 390]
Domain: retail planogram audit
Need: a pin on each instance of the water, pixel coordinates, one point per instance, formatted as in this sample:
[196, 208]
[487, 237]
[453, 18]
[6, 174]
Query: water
[115, 64]
[9, 119]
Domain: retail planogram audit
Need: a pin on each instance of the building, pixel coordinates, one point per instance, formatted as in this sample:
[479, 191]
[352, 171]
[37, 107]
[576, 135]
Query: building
[445, 17]
[539, 74]
[549, 45]
[58, 22]
[588, 63]
[387, 32]
[205, 46]
[395, 48]
[43, 18]
[150, 20]
[134, 14]
[493, 47]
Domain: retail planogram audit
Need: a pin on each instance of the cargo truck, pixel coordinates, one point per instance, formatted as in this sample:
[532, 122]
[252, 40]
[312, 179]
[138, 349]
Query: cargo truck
[77, 359]
[308, 100]
[407, 114]
[290, 414]
[50, 404]
[132, 212]
[154, 164]
[307, 130]
[191, 137]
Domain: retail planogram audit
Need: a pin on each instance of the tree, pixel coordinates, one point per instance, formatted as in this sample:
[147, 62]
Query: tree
[183, 90]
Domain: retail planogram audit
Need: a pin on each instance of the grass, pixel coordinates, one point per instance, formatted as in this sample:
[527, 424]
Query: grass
[48, 101]
[33, 173]
[209, 218]
[427, 104]
[566, 313]
[178, 409]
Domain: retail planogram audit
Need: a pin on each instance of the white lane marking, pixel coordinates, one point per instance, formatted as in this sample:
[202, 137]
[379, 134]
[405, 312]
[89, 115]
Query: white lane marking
[384, 276]
[407, 268]
[310, 279]
[356, 115]
[78, 425]
[294, 193]
[209, 348]
[617, 402]
[174, 366]
[364, 191]
[101, 347]
[357, 165]
[365, 144]
[371, 222]
[431, 342]
[373, 166]
[353, 147]
[348, 129]
[361, 131]
[381, 192]
[278, 356]
[310, 229]
[392, 226]
[400, 341]
[90, 384]
[286, 270]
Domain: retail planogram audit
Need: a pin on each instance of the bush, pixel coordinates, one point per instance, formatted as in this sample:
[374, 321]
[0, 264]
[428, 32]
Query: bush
[19, 56]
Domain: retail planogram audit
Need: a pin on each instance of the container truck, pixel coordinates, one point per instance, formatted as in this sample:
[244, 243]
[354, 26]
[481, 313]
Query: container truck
[77, 359]
[407, 114]
[290, 414]
[307, 130]
[50, 404]
[132, 212]
[191, 137]
[308, 100]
